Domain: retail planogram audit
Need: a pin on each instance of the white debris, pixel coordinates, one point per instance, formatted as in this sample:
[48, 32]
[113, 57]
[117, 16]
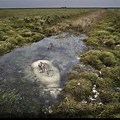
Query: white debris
[100, 103]
[118, 88]
[19, 71]
[95, 96]
[118, 45]
[50, 109]
[78, 84]
[78, 58]
[83, 101]
[54, 93]
[96, 75]
[94, 91]
[97, 93]
[92, 99]
[94, 85]
[100, 72]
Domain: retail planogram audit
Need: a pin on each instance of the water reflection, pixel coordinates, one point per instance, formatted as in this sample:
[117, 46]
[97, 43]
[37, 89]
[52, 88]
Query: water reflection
[16, 72]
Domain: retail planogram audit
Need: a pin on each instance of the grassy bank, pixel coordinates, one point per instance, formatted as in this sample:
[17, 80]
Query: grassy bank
[93, 87]
[19, 27]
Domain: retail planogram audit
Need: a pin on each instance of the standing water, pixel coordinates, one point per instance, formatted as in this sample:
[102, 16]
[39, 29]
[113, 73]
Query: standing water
[17, 77]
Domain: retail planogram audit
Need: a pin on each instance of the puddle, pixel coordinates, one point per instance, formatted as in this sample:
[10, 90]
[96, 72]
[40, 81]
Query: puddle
[16, 72]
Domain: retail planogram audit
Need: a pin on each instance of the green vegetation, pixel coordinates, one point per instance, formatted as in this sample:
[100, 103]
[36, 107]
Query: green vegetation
[15, 102]
[93, 87]
[19, 27]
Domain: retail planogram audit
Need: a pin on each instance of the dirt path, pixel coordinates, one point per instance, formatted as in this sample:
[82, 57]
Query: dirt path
[82, 23]
[88, 19]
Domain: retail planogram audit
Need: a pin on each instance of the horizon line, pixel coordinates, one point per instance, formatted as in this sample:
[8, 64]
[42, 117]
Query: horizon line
[64, 7]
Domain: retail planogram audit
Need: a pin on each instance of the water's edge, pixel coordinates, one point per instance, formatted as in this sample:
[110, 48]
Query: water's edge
[16, 73]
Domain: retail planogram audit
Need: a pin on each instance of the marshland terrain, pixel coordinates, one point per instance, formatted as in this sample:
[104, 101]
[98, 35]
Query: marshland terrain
[86, 50]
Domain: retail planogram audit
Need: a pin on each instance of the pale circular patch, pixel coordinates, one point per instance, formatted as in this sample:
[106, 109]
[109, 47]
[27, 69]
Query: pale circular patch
[49, 81]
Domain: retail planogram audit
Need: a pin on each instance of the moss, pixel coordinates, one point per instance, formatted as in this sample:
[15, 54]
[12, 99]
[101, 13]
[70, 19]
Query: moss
[47, 32]
[80, 89]
[112, 73]
[92, 41]
[99, 59]
[19, 39]
[110, 110]
[92, 58]
[111, 29]
[6, 47]
[109, 96]
[12, 40]
[26, 33]
[93, 77]
[104, 58]
[3, 37]
[20, 30]
[11, 32]
[110, 43]
[37, 37]
[73, 75]
[105, 82]
[117, 47]
[117, 115]
[108, 58]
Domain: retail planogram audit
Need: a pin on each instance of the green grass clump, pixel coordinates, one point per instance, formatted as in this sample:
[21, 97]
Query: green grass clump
[99, 59]
[100, 65]
[80, 88]
[92, 58]
[104, 57]
[37, 37]
[22, 26]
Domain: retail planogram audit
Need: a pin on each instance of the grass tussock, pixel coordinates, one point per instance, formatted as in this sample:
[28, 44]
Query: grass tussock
[93, 87]
[19, 27]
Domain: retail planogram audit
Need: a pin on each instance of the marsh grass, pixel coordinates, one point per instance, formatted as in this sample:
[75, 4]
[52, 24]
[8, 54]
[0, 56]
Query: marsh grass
[103, 56]
[99, 66]
[22, 26]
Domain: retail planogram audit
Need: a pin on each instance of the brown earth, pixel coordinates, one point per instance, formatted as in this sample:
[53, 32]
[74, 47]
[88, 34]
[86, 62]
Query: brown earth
[81, 24]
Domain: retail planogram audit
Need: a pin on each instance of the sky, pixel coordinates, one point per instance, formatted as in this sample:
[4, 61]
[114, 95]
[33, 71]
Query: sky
[58, 3]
